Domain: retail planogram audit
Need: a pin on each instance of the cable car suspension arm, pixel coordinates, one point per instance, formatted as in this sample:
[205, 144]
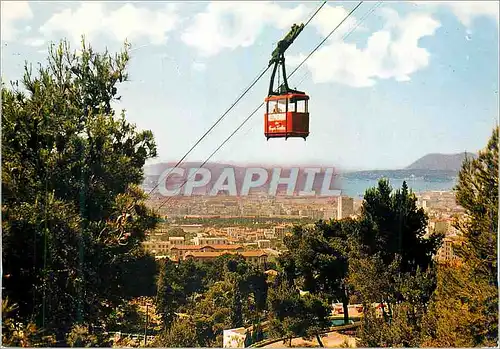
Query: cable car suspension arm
[278, 58]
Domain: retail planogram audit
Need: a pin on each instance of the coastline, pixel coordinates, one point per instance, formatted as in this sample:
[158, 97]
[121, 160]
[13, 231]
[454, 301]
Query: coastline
[356, 187]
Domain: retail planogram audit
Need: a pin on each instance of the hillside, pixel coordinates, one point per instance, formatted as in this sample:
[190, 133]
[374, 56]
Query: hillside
[440, 162]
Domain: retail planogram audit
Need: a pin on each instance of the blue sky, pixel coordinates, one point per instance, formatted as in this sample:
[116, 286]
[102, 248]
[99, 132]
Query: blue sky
[413, 78]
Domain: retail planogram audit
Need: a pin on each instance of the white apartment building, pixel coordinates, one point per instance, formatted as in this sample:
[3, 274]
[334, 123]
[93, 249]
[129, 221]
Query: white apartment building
[176, 240]
[198, 240]
[157, 247]
[446, 252]
[280, 231]
[264, 244]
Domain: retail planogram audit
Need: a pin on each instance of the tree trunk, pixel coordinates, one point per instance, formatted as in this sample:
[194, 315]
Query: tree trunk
[319, 341]
[384, 312]
[345, 305]
[290, 342]
[390, 311]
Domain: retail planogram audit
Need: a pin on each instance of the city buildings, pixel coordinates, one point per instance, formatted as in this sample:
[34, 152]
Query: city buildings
[447, 252]
[202, 240]
[210, 238]
[264, 243]
[181, 250]
[345, 207]
[176, 240]
[257, 257]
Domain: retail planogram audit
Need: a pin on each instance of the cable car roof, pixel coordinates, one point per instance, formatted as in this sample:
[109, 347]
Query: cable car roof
[293, 96]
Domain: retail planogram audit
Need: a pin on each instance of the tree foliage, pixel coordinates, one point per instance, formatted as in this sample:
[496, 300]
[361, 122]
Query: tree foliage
[168, 293]
[181, 334]
[73, 215]
[15, 333]
[395, 228]
[453, 305]
[294, 315]
[317, 259]
[464, 309]
[477, 193]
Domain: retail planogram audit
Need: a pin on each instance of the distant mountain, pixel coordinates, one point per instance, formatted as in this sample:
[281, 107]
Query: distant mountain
[431, 168]
[440, 162]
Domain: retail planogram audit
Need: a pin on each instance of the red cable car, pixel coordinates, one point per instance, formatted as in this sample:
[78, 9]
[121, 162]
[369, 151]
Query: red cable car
[287, 114]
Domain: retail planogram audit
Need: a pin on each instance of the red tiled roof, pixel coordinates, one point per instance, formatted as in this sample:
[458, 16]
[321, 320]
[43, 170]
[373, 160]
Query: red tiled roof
[186, 247]
[201, 254]
[199, 247]
[206, 254]
[224, 247]
[254, 253]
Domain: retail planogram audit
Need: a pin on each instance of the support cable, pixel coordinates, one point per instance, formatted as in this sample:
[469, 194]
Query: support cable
[248, 118]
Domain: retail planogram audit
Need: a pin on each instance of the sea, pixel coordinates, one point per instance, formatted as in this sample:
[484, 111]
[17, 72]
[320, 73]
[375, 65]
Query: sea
[356, 188]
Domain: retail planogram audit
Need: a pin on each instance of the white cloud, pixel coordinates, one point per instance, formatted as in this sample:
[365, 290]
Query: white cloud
[228, 25]
[131, 22]
[13, 11]
[35, 42]
[329, 17]
[392, 52]
[467, 11]
[199, 66]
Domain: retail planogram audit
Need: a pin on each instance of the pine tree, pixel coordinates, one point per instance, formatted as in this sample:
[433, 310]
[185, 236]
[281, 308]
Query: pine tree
[395, 226]
[464, 309]
[167, 293]
[477, 193]
[73, 215]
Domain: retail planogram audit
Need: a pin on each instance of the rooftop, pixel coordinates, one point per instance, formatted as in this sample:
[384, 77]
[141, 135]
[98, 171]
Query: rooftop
[214, 254]
[199, 247]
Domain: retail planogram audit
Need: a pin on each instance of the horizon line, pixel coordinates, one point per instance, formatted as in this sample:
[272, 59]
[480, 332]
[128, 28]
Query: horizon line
[313, 163]
[262, 164]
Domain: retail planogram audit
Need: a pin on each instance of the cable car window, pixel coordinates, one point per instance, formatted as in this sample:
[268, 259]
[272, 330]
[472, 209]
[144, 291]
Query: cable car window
[278, 106]
[301, 106]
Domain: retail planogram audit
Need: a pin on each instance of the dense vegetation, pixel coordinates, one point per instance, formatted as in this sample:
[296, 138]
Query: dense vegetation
[73, 216]
[260, 222]
[73, 219]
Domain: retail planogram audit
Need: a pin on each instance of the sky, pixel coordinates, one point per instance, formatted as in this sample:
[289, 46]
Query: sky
[396, 81]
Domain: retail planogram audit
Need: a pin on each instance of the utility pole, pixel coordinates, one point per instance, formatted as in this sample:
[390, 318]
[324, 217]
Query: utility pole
[146, 325]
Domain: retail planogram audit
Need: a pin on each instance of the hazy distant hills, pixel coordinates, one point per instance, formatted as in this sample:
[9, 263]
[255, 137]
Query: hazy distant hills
[157, 169]
[441, 162]
[431, 167]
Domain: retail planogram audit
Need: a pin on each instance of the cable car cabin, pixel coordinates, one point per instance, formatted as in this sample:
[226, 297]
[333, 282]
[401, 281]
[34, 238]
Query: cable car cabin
[287, 116]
